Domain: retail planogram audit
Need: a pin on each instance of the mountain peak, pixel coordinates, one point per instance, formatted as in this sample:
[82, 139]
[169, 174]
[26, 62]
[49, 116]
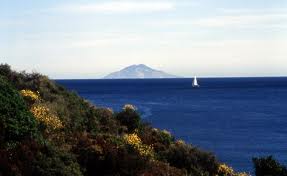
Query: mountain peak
[138, 68]
[139, 71]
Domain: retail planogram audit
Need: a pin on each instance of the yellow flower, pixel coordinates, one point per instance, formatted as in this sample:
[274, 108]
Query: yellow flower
[132, 139]
[228, 171]
[28, 93]
[135, 141]
[40, 111]
[225, 170]
[43, 114]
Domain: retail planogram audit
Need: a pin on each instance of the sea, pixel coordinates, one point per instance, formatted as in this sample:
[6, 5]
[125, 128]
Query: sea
[234, 118]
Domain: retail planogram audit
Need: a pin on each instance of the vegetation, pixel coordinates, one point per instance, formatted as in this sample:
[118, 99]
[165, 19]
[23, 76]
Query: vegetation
[46, 130]
[226, 170]
[267, 166]
[16, 122]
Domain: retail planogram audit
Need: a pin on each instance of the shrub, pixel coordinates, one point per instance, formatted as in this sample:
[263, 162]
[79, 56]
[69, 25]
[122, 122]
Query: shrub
[158, 168]
[16, 121]
[72, 110]
[135, 141]
[31, 158]
[50, 161]
[268, 166]
[44, 115]
[129, 107]
[108, 155]
[34, 96]
[103, 121]
[195, 161]
[129, 118]
[225, 170]
[159, 139]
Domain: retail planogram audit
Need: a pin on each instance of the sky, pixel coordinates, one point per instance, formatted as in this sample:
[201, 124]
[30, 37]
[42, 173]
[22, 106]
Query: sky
[89, 39]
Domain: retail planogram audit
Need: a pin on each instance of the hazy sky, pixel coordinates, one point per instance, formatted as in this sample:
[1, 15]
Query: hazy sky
[88, 39]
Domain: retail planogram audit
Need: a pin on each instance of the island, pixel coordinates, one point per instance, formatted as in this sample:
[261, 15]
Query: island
[139, 71]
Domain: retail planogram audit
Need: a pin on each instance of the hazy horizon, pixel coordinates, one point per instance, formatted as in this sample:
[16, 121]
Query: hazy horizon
[90, 39]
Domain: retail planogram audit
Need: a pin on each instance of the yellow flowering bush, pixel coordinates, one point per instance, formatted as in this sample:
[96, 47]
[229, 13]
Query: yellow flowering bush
[43, 114]
[225, 170]
[135, 141]
[132, 139]
[40, 111]
[30, 94]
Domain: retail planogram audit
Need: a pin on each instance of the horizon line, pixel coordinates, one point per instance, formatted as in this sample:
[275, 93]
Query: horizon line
[191, 77]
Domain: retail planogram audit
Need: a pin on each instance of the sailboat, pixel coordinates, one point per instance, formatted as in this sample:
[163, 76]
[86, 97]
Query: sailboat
[195, 83]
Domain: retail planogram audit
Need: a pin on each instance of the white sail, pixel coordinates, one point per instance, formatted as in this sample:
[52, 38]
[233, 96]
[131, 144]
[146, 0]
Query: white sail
[194, 83]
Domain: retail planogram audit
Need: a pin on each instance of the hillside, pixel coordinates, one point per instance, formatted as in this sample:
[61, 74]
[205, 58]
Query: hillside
[46, 130]
[140, 71]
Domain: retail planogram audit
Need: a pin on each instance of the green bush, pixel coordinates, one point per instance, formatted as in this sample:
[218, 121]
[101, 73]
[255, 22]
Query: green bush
[16, 122]
[104, 121]
[159, 139]
[50, 161]
[268, 166]
[195, 161]
[31, 158]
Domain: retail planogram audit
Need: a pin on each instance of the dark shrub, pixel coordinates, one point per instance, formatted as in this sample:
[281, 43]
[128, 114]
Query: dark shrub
[267, 166]
[105, 120]
[129, 118]
[195, 161]
[108, 155]
[50, 161]
[153, 135]
[31, 158]
[158, 168]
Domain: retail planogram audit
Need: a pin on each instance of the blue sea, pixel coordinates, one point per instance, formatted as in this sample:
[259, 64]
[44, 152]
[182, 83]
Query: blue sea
[235, 118]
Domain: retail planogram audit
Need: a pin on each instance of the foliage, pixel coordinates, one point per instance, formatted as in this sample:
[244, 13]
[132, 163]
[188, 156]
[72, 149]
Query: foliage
[136, 143]
[225, 170]
[40, 111]
[195, 161]
[31, 158]
[28, 93]
[107, 155]
[44, 115]
[158, 168]
[56, 162]
[104, 121]
[16, 122]
[73, 111]
[129, 107]
[129, 118]
[268, 166]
